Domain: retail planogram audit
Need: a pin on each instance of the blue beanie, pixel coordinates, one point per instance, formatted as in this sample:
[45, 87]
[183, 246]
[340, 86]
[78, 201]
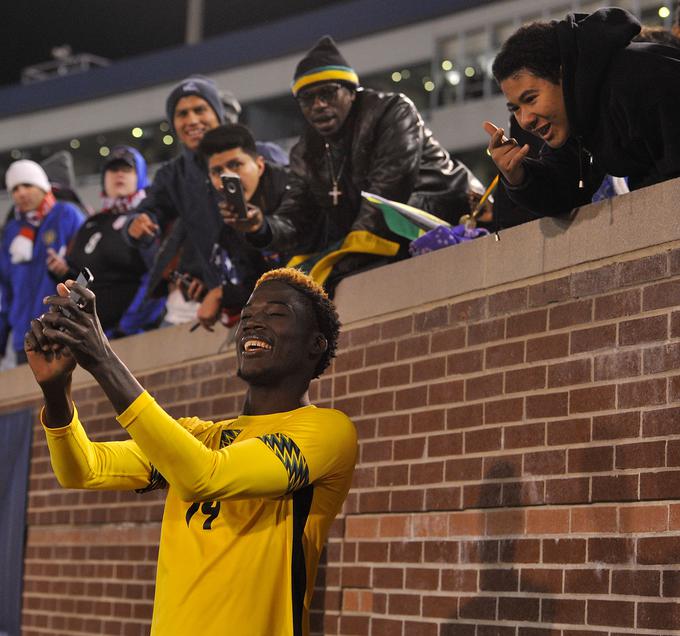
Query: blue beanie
[195, 85]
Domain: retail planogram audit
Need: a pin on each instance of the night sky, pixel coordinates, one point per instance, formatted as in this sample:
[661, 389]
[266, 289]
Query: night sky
[117, 29]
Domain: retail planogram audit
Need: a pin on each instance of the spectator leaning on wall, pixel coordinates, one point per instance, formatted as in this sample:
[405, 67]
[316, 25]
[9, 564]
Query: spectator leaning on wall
[601, 104]
[355, 140]
[232, 150]
[39, 224]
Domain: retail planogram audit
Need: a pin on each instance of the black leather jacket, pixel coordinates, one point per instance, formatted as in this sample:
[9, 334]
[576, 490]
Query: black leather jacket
[385, 149]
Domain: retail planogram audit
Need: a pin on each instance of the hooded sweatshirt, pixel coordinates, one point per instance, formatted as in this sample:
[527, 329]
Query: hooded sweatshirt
[623, 105]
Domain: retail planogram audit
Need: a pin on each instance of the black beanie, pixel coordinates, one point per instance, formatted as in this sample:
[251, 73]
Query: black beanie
[323, 63]
[195, 85]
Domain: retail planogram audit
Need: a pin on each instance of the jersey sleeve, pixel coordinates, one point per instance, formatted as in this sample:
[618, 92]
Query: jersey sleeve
[80, 463]
[247, 469]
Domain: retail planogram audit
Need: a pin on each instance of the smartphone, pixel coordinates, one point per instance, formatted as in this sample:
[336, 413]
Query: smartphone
[233, 194]
[84, 279]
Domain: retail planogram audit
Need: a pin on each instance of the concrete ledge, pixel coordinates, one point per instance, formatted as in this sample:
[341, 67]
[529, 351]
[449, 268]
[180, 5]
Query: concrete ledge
[606, 230]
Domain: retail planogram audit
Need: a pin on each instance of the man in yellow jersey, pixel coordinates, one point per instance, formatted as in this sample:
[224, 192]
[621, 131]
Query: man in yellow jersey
[250, 500]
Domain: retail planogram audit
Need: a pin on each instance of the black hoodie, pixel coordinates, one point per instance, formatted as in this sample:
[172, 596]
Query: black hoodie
[623, 106]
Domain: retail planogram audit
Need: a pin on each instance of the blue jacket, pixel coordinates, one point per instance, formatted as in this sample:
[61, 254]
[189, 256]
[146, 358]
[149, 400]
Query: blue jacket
[24, 285]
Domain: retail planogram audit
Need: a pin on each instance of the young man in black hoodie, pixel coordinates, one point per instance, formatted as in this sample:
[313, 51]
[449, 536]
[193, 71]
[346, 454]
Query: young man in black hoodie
[601, 104]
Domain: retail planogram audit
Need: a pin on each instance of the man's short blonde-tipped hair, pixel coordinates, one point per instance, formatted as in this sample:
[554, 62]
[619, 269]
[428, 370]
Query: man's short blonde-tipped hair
[326, 315]
[294, 277]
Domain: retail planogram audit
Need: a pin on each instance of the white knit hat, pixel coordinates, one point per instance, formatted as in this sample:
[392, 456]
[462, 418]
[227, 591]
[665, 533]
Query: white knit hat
[27, 172]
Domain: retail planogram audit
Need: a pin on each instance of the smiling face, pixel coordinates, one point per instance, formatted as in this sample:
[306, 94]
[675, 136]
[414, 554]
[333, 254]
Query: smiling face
[326, 106]
[193, 118]
[277, 338]
[538, 106]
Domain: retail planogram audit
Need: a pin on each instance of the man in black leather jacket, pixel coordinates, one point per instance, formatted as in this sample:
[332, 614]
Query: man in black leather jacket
[356, 140]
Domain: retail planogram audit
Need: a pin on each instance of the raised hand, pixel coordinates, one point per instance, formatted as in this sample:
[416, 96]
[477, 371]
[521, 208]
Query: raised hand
[142, 226]
[52, 364]
[507, 154]
[252, 223]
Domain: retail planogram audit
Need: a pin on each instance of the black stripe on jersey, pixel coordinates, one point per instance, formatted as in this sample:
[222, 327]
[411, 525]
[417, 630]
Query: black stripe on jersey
[156, 482]
[302, 502]
[228, 436]
[291, 457]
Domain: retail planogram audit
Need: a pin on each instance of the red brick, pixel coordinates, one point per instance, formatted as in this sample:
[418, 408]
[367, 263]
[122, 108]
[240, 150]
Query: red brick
[520, 550]
[483, 386]
[597, 398]
[611, 613]
[671, 583]
[376, 451]
[448, 498]
[396, 475]
[448, 444]
[439, 607]
[548, 521]
[642, 393]
[521, 380]
[388, 578]
[545, 463]
[658, 616]
[409, 448]
[468, 310]
[622, 364]
[571, 431]
[509, 410]
[396, 328]
[504, 355]
[364, 335]
[636, 582]
[663, 358]
[393, 425]
[506, 302]
[546, 405]
[406, 551]
[459, 580]
[493, 580]
[616, 425]
[349, 361]
[485, 495]
[638, 519]
[610, 550]
[659, 550]
[550, 291]
[432, 472]
[564, 550]
[643, 330]
[573, 313]
[562, 610]
[675, 324]
[430, 420]
[524, 436]
[446, 392]
[486, 331]
[593, 338]
[660, 422]
[448, 339]
[381, 353]
[395, 375]
[480, 607]
[432, 319]
[590, 459]
[528, 323]
[379, 402]
[542, 581]
[413, 347]
[465, 469]
[408, 604]
[488, 439]
[643, 270]
[647, 455]
[564, 491]
[625, 303]
[411, 398]
[407, 500]
[546, 347]
[422, 579]
[465, 416]
[586, 581]
[465, 362]
[594, 281]
[363, 381]
[570, 372]
[665, 294]
[660, 485]
[614, 488]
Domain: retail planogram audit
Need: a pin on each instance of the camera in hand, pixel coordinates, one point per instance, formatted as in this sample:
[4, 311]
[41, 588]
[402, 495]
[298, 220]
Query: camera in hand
[85, 279]
[233, 194]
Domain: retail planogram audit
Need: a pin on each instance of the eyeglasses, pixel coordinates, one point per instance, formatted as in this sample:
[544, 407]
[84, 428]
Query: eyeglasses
[326, 93]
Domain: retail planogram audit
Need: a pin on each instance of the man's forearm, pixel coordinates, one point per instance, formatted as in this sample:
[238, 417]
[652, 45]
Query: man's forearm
[118, 383]
[58, 404]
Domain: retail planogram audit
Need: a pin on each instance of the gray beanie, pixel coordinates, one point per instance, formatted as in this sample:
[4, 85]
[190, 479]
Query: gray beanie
[195, 85]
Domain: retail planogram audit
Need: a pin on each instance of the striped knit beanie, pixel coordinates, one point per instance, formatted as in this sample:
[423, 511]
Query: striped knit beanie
[323, 63]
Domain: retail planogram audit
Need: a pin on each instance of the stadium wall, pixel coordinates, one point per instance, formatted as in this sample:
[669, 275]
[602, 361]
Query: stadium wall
[517, 404]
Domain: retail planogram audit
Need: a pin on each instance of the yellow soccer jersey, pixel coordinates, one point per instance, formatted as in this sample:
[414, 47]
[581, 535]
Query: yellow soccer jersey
[248, 509]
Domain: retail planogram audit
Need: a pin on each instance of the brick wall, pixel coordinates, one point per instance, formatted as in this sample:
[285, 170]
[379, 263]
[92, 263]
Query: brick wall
[518, 472]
